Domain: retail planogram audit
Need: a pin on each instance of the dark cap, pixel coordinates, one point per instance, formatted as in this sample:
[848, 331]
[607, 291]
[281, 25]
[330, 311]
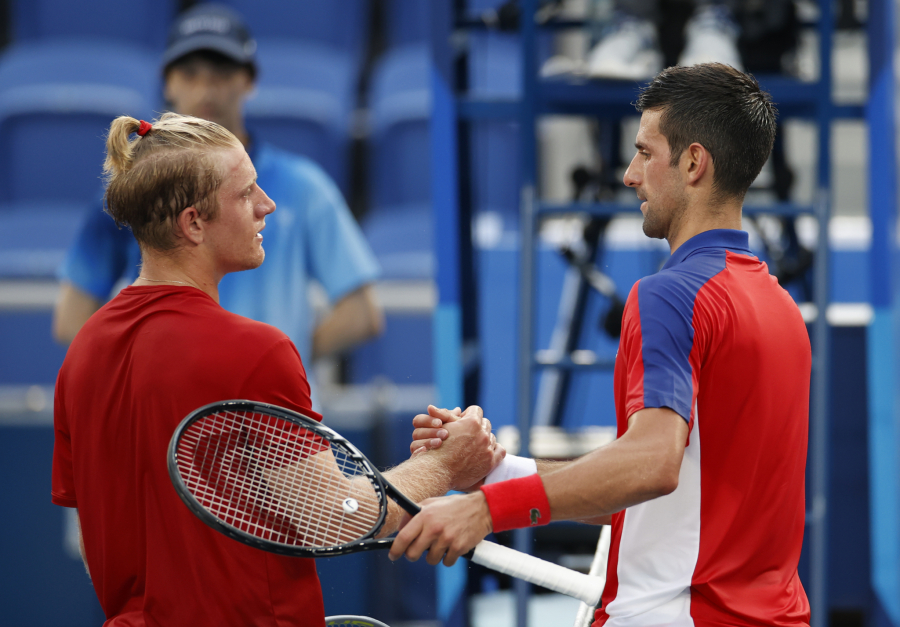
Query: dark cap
[210, 27]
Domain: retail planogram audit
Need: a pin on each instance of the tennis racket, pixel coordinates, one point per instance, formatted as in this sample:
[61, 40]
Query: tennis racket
[352, 621]
[280, 481]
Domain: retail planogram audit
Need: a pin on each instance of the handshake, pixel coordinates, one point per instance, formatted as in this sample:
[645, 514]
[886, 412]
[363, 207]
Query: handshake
[432, 429]
[463, 440]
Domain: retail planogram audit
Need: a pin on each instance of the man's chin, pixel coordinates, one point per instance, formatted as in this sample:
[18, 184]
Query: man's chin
[251, 264]
[652, 230]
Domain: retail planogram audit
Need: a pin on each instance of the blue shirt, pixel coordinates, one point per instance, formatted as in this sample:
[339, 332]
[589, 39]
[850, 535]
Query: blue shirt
[311, 235]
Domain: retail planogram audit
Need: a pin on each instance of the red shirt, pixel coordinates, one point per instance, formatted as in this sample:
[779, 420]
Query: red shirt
[713, 337]
[137, 368]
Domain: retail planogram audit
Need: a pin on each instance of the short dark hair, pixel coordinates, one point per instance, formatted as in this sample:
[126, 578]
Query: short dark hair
[720, 108]
[214, 58]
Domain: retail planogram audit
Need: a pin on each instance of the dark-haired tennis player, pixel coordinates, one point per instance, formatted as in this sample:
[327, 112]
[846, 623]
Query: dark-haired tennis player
[705, 483]
[164, 347]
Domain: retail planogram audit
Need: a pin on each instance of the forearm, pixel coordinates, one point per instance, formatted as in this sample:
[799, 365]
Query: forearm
[546, 466]
[635, 468]
[81, 545]
[419, 478]
[73, 308]
[355, 318]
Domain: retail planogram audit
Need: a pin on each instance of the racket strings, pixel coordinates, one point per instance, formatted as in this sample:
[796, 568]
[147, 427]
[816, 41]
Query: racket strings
[258, 487]
[316, 494]
[278, 481]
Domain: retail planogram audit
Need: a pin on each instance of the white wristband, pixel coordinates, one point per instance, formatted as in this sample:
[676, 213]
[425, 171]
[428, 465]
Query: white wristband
[512, 467]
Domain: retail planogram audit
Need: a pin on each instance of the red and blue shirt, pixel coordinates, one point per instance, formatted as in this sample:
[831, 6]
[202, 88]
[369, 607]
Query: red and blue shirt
[713, 337]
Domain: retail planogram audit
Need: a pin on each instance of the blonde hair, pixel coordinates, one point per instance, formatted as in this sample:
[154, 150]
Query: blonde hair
[152, 178]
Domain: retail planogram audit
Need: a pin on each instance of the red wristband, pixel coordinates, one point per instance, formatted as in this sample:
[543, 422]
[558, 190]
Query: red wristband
[517, 503]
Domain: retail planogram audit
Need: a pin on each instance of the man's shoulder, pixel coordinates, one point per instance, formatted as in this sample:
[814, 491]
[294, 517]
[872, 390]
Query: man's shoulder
[259, 335]
[205, 317]
[688, 276]
[670, 282]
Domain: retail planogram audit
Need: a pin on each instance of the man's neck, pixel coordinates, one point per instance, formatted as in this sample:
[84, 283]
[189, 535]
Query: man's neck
[173, 269]
[696, 222]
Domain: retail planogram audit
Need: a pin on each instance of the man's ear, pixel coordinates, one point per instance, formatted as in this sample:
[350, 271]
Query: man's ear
[696, 162]
[190, 225]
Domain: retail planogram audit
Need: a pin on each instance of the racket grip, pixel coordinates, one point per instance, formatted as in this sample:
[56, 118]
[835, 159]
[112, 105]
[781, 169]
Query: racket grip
[539, 572]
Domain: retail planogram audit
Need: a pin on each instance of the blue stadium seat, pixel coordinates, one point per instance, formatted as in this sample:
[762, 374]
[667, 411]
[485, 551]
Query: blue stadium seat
[400, 106]
[399, 223]
[305, 101]
[406, 22]
[141, 22]
[34, 237]
[56, 102]
[341, 24]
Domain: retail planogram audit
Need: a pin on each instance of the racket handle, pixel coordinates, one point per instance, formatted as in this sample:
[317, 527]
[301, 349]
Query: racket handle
[539, 572]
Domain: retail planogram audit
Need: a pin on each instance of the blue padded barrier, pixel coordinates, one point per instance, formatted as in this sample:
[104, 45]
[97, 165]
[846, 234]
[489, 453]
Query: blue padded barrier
[402, 354]
[57, 100]
[142, 22]
[304, 103]
[340, 24]
[41, 584]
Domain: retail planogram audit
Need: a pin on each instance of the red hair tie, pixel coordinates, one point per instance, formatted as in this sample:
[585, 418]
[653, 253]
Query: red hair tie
[144, 128]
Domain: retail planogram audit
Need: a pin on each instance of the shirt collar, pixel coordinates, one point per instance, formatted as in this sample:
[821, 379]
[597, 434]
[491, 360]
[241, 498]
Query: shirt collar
[735, 241]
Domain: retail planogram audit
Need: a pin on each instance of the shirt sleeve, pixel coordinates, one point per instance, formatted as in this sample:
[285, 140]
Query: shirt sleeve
[339, 255]
[62, 482]
[101, 255]
[280, 379]
[658, 340]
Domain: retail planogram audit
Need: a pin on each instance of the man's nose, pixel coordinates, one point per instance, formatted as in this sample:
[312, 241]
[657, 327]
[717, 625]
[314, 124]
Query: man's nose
[267, 204]
[631, 178]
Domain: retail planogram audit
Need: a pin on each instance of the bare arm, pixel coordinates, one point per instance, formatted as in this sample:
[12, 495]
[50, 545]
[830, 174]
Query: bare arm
[73, 308]
[546, 466]
[457, 465]
[641, 465]
[354, 319]
[81, 545]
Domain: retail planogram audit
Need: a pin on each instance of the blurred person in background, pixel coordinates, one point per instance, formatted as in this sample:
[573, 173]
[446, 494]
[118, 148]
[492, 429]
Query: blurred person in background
[209, 70]
[629, 45]
[638, 38]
